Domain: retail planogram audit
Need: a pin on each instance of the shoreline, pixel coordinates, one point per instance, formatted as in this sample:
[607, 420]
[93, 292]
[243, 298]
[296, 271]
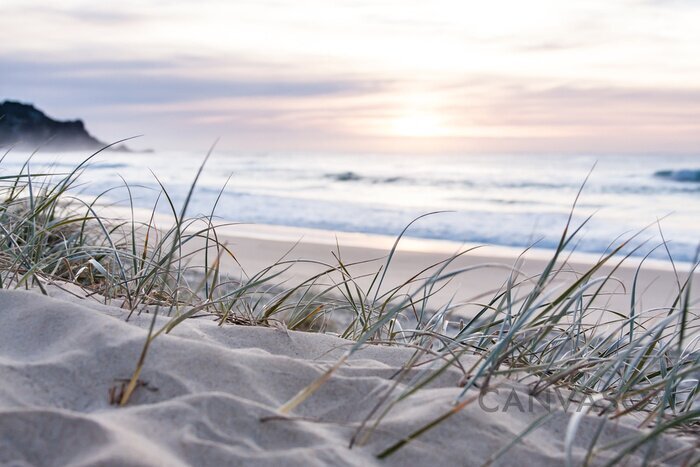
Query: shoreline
[487, 267]
[383, 243]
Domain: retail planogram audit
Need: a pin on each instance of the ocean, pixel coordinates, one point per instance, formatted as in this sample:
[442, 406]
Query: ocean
[509, 200]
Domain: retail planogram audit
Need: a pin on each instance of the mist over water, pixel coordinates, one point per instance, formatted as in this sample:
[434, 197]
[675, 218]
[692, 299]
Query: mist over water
[503, 200]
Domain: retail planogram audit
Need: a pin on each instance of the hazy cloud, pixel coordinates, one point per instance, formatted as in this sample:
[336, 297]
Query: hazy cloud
[143, 82]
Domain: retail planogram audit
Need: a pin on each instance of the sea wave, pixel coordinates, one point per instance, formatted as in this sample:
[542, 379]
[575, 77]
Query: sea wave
[345, 176]
[350, 176]
[108, 165]
[681, 175]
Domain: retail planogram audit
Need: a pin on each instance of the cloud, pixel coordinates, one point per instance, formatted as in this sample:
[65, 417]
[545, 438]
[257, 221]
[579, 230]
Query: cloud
[93, 15]
[491, 100]
[81, 12]
[148, 82]
[619, 94]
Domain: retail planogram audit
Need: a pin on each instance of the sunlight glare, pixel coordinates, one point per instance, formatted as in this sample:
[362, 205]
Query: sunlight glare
[418, 125]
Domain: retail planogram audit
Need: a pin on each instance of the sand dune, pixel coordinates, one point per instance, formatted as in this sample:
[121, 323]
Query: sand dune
[209, 396]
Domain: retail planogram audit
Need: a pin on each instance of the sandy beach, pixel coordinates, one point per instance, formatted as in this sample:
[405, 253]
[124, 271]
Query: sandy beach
[209, 395]
[487, 267]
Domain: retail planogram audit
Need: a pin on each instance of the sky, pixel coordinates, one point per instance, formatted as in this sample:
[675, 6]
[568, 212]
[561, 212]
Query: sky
[364, 76]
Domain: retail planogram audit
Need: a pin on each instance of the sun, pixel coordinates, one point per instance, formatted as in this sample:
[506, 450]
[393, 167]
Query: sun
[418, 125]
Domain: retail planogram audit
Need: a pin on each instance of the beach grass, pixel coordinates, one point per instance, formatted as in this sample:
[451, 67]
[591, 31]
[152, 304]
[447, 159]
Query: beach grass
[553, 331]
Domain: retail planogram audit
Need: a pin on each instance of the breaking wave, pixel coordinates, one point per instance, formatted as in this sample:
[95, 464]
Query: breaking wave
[682, 175]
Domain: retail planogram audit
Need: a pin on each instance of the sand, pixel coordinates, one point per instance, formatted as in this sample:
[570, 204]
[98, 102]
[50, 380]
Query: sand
[256, 247]
[210, 394]
[489, 267]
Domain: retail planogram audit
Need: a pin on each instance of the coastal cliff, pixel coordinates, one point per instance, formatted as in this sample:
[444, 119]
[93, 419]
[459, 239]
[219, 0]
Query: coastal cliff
[26, 127]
